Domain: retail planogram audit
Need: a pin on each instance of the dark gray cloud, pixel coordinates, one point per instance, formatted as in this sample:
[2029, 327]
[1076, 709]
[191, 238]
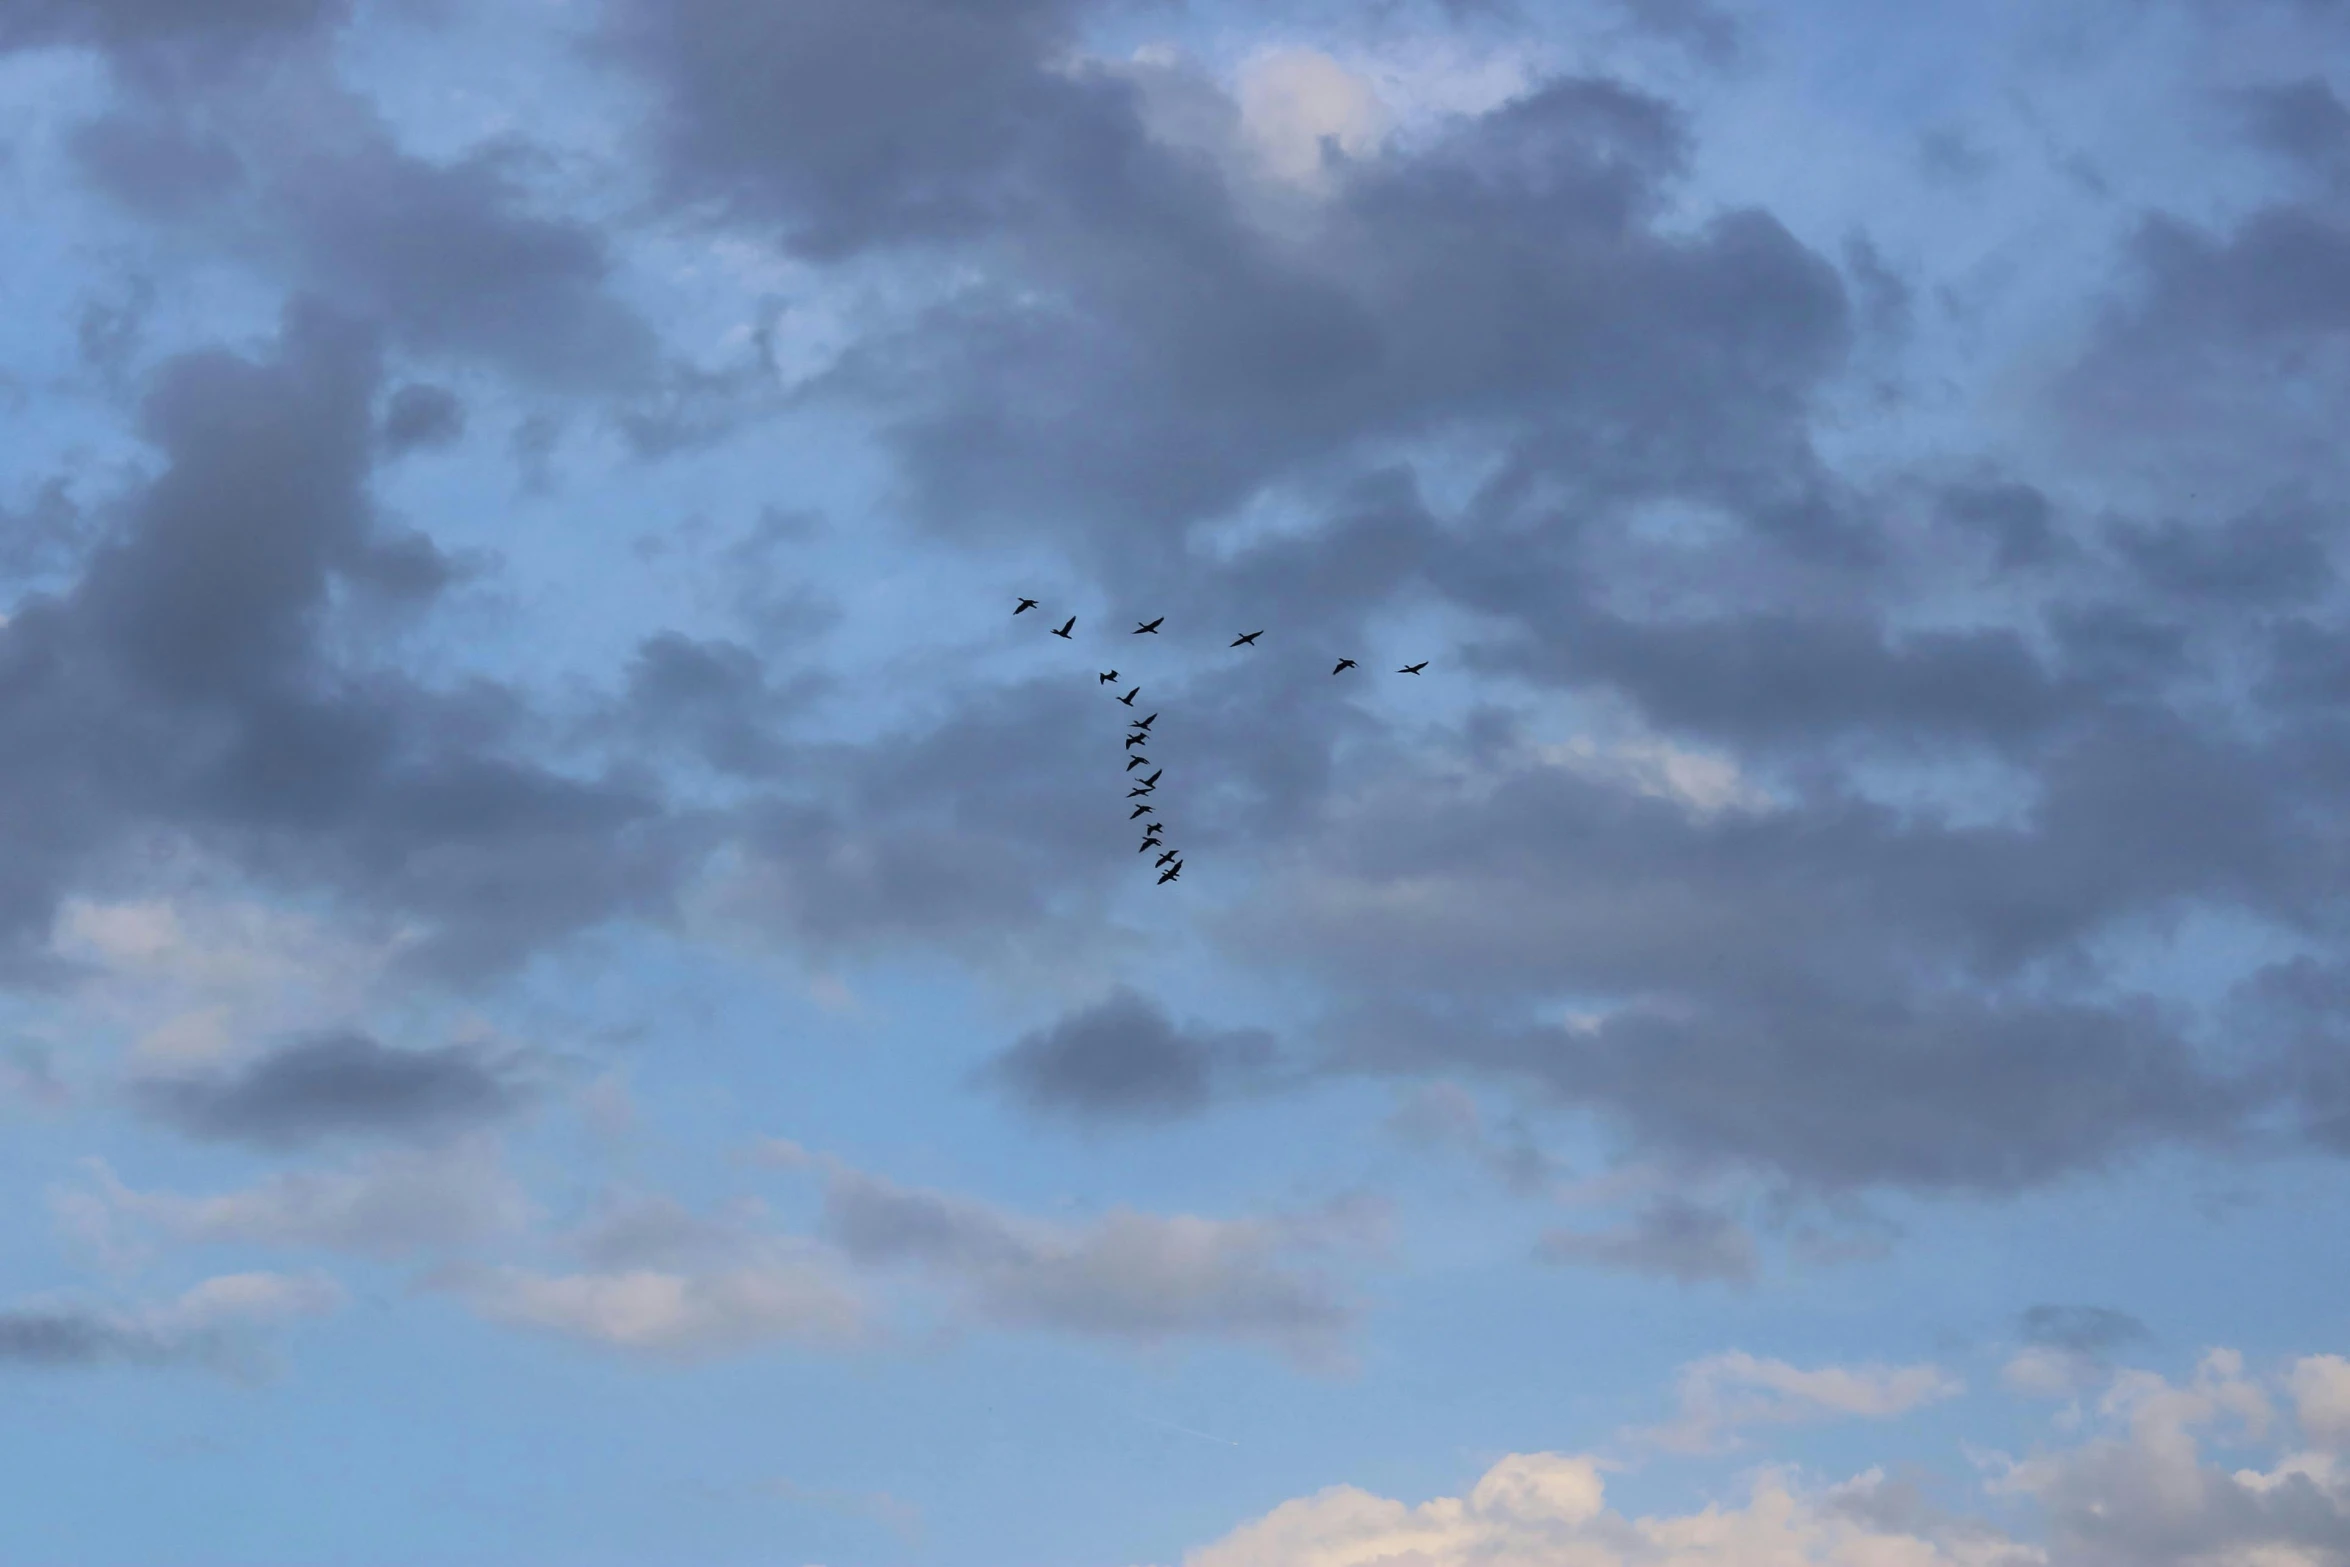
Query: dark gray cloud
[2303, 120]
[339, 1085]
[2082, 1330]
[65, 1338]
[1123, 1058]
[1673, 1239]
[422, 415]
[184, 683]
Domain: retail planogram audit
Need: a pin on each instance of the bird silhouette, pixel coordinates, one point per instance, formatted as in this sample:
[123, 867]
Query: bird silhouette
[1164, 858]
[1129, 697]
[1150, 626]
[1134, 740]
[1140, 810]
[1413, 669]
[1145, 723]
[1149, 843]
[1153, 829]
[1344, 664]
[1063, 632]
[1247, 639]
[1139, 790]
[1170, 873]
[1153, 779]
[1025, 606]
[1133, 762]
[1110, 679]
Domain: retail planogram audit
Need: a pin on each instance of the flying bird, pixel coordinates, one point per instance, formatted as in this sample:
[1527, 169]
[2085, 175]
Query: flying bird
[1025, 606]
[1413, 669]
[1247, 639]
[1134, 740]
[1139, 790]
[1110, 679]
[1145, 723]
[1153, 779]
[1063, 632]
[1133, 762]
[1344, 664]
[1170, 873]
[1150, 626]
[1164, 858]
[1140, 810]
[1129, 697]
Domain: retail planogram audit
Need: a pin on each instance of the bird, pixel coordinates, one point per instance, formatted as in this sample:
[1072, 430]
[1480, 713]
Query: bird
[1164, 858]
[1150, 626]
[1139, 790]
[1413, 669]
[1134, 740]
[1344, 664]
[1151, 838]
[1129, 697]
[1170, 873]
[1153, 779]
[1140, 810]
[1133, 762]
[1145, 723]
[1063, 632]
[1025, 606]
[1110, 679]
[1247, 639]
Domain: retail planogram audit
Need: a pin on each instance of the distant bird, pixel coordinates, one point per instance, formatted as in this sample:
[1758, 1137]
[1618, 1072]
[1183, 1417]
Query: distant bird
[1136, 739]
[1248, 639]
[1025, 606]
[1413, 669]
[1110, 678]
[1139, 790]
[1164, 858]
[1150, 626]
[1129, 697]
[1153, 780]
[1151, 830]
[1170, 873]
[1133, 762]
[1145, 723]
[1140, 810]
[1344, 664]
[1063, 633]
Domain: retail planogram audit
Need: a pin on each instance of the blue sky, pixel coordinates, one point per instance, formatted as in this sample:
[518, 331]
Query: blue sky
[576, 988]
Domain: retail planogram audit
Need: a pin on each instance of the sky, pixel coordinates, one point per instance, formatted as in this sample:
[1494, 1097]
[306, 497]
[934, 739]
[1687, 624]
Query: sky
[576, 987]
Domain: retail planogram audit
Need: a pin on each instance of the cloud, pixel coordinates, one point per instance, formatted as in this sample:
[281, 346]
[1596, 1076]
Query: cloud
[675, 1315]
[207, 1324]
[1123, 1058]
[2320, 1385]
[1671, 1238]
[420, 416]
[1724, 1392]
[388, 1205]
[338, 1085]
[1542, 1508]
[1141, 1278]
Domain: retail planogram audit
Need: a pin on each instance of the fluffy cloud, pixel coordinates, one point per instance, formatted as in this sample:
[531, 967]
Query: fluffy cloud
[1724, 1392]
[1124, 1058]
[207, 1324]
[338, 1084]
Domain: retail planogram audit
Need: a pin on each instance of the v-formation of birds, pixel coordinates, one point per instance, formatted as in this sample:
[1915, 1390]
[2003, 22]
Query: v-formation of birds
[1169, 863]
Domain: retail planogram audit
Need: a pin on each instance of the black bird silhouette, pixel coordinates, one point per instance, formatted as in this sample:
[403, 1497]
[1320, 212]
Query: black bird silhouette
[1247, 639]
[1153, 779]
[1413, 669]
[1110, 678]
[1145, 723]
[1164, 858]
[1134, 740]
[1063, 633]
[1025, 606]
[1151, 831]
[1140, 810]
[1170, 873]
[1129, 697]
[1149, 844]
[1344, 664]
[1139, 790]
[1151, 626]
[1133, 762]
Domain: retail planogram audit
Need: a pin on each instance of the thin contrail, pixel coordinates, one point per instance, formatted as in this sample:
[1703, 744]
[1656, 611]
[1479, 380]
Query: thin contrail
[1186, 1430]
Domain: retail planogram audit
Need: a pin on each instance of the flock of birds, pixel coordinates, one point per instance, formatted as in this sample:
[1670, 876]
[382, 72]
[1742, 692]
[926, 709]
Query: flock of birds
[1170, 861]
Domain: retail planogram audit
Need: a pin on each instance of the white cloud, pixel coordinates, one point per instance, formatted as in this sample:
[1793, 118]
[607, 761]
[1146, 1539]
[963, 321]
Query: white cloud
[2320, 1385]
[1724, 1392]
[1293, 101]
[1549, 1510]
[790, 1295]
[389, 1205]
